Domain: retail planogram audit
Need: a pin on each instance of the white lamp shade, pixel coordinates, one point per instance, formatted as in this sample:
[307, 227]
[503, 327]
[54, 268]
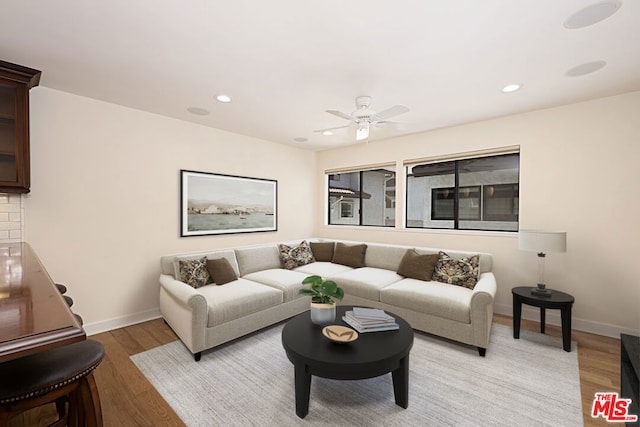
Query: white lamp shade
[542, 241]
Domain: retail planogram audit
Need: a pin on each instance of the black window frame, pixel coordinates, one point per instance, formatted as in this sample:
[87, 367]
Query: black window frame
[453, 167]
[360, 195]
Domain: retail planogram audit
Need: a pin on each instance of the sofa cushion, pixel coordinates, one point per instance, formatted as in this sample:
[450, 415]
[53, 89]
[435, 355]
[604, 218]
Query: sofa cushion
[418, 266]
[295, 256]
[365, 282]
[349, 255]
[221, 271]
[323, 269]
[433, 298]
[461, 272]
[384, 256]
[287, 281]
[237, 299]
[322, 251]
[194, 272]
[258, 258]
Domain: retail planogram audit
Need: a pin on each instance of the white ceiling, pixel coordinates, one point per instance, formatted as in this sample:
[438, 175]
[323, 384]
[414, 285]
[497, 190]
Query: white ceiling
[284, 62]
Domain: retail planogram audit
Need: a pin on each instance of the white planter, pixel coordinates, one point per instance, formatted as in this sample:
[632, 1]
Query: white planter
[323, 314]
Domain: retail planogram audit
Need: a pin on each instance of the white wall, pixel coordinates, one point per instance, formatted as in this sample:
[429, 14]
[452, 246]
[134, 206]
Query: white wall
[104, 203]
[578, 172]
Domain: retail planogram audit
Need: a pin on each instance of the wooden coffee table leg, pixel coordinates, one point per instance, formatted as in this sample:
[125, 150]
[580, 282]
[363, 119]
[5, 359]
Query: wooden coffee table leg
[401, 383]
[303, 389]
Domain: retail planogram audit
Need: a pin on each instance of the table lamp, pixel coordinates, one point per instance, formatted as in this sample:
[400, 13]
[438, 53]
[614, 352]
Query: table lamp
[542, 242]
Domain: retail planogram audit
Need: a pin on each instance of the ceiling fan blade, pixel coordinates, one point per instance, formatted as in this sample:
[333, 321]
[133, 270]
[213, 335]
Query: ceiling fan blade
[330, 129]
[390, 112]
[340, 114]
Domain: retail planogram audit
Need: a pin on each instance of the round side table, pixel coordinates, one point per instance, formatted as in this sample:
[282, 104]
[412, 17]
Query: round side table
[558, 300]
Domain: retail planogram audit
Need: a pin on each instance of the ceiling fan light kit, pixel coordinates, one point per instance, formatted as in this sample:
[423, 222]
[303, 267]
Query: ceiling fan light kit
[365, 117]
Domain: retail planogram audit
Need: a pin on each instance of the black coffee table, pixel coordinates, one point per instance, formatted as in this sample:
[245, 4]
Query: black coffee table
[371, 355]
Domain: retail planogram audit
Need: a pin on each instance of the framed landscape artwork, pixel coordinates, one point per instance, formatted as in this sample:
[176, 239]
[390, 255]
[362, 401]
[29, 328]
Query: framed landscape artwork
[220, 204]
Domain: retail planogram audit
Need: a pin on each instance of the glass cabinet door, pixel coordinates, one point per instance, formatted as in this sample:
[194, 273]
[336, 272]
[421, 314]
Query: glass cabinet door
[8, 152]
[15, 83]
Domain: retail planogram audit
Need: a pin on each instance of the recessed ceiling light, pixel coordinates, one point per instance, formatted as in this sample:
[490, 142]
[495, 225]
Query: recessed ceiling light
[300, 139]
[586, 68]
[198, 111]
[327, 133]
[511, 88]
[223, 98]
[592, 14]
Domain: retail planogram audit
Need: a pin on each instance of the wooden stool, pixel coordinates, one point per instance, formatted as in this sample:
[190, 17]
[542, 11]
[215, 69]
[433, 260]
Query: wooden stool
[60, 375]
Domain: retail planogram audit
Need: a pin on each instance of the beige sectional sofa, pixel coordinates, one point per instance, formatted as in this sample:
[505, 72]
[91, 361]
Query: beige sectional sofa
[265, 293]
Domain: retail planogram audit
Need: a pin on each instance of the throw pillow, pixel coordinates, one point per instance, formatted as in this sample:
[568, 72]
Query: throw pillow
[221, 271]
[461, 272]
[194, 272]
[293, 257]
[418, 266]
[322, 251]
[349, 255]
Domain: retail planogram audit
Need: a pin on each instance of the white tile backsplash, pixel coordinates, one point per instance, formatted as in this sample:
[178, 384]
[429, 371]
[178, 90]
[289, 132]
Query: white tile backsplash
[11, 218]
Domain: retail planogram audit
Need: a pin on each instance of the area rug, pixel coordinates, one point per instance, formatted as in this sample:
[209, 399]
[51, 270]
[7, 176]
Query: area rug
[526, 382]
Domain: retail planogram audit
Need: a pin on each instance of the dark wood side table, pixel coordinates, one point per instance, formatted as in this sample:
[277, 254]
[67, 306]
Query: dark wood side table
[558, 300]
[371, 355]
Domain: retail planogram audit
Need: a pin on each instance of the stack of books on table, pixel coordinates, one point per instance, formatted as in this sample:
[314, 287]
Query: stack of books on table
[370, 320]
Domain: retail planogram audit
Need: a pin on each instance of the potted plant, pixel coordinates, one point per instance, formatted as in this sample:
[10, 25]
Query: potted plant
[322, 293]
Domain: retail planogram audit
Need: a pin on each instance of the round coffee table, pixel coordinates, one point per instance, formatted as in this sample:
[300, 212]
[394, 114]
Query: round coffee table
[371, 355]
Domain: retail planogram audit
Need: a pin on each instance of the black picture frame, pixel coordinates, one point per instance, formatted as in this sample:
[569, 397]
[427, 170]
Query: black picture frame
[212, 203]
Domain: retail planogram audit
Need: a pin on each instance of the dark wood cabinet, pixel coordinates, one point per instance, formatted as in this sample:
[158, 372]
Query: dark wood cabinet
[15, 82]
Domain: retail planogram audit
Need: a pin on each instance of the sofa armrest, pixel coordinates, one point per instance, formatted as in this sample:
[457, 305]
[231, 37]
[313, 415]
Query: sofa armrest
[183, 293]
[485, 290]
[185, 310]
[482, 301]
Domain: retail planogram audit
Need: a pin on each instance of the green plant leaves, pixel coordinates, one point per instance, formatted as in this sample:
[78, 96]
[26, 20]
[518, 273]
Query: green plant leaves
[321, 291]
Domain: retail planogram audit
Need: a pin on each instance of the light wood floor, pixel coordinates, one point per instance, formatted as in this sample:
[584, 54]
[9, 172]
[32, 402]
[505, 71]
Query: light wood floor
[128, 399]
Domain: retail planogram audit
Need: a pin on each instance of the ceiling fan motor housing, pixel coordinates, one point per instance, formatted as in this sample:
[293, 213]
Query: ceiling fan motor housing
[363, 102]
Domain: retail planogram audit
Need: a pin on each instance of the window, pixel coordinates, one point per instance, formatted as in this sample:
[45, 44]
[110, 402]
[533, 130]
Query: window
[346, 209]
[366, 197]
[469, 194]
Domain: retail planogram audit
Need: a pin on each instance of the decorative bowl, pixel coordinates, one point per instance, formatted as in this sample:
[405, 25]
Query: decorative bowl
[339, 334]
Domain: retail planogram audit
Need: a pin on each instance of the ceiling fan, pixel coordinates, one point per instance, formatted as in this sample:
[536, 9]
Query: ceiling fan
[364, 117]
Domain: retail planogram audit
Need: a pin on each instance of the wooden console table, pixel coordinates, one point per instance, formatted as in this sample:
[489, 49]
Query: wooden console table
[33, 315]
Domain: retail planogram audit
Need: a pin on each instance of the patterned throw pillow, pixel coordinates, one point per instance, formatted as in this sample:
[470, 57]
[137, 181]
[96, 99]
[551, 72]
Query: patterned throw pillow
[296, 256]
[194, 272]
[461, 272]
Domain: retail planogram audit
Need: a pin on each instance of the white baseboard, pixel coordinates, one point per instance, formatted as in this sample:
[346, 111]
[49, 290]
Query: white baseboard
[121, 322]
[553, 318]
